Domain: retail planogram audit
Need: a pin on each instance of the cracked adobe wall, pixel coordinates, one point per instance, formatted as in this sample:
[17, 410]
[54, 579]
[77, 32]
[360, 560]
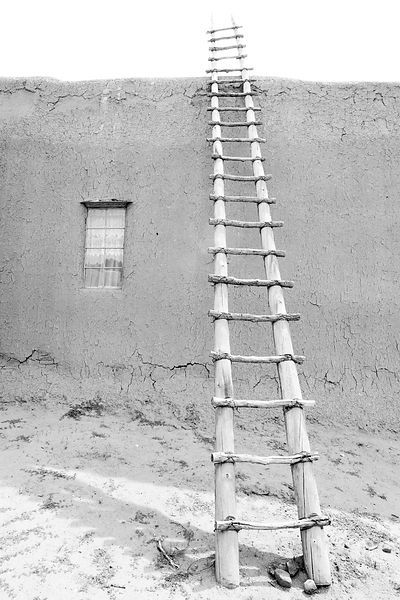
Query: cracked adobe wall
[334, 153]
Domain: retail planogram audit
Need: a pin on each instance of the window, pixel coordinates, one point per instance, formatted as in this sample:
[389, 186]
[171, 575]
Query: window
[104, 245]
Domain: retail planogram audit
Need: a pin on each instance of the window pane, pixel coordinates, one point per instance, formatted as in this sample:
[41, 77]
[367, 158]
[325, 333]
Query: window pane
[104, 247]
[114, 238]
[112, 278]
[94, 258]
[95, 238]
[115, 217]
[96, 217]
[92, 277]
[113, 258]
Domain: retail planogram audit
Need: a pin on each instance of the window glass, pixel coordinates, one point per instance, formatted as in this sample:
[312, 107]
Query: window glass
[113, 259]
[112, 278]
[95, 258]
[105, 228]
[116, 217]
[96, 217]
[95, 238]
[114, 238]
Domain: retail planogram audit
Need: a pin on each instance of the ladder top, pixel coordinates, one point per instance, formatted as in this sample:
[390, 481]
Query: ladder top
[215, 70]
[238, 57]
[226, 37]
[240, 81]
[225, 28]
[218, 48]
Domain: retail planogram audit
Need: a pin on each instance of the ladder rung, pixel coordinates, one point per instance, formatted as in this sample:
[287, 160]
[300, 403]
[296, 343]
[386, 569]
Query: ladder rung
[233, 108]
[224, 457]
[231, 94]
[237, 139]
[246, 252]
[255, 199]
[227, 37]
[218, 48]
[253, 282]
[257, 359]
[234, 123]
[230, 177]
[306, 523]
[238, 158]
[237, 57]
[230, 70]
[253, 318]
[222, 81]
[287, 404]
[225, 28]
[245, 224]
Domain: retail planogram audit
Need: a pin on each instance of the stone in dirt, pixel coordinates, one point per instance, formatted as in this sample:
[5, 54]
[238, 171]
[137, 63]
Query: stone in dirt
[300, 561]
[310, 587]
[274, 566]
[292, 567]
[371, 546]
[283, 578]
[174, 546]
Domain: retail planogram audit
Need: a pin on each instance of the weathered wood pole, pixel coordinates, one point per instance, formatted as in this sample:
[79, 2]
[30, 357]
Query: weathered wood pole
[226, 542]
[314, 541]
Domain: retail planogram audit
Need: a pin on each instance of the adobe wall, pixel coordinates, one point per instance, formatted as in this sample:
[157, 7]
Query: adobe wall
[334, 152]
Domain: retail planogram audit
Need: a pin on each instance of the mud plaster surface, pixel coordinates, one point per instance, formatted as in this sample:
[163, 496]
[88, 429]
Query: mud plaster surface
[334, 153]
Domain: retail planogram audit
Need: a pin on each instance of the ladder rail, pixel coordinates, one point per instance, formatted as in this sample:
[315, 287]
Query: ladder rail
[226, 542]
[315, 546]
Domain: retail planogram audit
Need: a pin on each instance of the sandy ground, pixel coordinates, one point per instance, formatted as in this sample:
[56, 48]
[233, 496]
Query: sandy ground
[86, 495]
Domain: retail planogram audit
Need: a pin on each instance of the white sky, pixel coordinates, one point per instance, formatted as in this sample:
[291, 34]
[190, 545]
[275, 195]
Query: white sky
[331, 40]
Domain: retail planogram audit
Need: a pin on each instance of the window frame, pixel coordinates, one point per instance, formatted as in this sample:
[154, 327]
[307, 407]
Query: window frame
[102, 204]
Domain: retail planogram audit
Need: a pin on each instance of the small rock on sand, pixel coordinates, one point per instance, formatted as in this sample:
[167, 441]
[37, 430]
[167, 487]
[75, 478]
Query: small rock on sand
[292, 567]
[173, 546]
[283, 578]
[371, 546]
[310, 587]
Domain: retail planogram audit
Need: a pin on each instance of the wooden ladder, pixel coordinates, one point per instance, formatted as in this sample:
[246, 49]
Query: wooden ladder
[310, 521]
